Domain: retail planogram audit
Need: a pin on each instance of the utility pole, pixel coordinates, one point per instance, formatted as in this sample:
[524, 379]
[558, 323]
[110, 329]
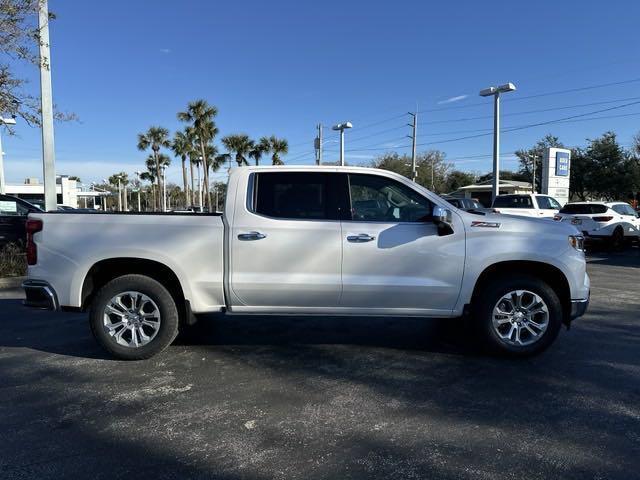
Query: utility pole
[125, 199]
[46, 103]
[215, 187]
[319, 145]
[414, 136]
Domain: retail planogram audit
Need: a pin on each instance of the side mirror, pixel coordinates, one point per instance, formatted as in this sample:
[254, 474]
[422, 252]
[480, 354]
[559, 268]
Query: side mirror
[442, 215]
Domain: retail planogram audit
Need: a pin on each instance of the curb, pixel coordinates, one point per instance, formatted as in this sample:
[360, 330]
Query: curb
[11, 282]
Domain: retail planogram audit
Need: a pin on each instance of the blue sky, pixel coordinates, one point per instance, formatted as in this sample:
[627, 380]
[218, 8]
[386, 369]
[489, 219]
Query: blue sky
[280, 67]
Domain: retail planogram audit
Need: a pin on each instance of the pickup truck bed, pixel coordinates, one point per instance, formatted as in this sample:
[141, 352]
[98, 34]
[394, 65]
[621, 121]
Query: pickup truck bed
[74, 246]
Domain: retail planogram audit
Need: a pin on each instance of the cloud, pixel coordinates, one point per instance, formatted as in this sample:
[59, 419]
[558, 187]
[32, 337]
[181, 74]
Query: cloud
[453, 99]
[165, 50]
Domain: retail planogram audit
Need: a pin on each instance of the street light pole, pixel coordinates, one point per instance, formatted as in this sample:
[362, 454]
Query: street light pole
[533, 166]
[414, 172]
[138, 172]
[3, 121]
[164, 189]
[495, 92]
[46, 103]
[119, 195]
[341, 127]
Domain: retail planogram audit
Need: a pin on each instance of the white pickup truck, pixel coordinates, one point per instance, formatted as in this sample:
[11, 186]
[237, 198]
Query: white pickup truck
[526, 205]
[309, 240]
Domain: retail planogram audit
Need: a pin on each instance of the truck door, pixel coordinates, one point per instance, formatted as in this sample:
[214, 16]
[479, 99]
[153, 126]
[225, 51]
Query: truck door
[394, 259]
[285, 243]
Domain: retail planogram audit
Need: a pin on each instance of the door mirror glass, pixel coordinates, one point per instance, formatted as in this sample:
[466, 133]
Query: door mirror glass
[442, 215]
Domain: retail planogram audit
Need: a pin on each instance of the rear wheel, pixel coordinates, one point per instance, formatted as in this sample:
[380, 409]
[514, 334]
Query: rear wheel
[617, 239]
[518, 316]
[134, 317]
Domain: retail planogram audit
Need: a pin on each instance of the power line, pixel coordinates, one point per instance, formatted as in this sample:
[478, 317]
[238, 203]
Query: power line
[542, 110]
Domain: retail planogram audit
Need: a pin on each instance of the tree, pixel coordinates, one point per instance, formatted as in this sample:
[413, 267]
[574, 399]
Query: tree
[458, 179]
[277, 147]
[19, 42]
[261, 148]
[431, 168]
[120, 181]
[240, 145]
[610, 171]
[537, 151]
[200, 115]
[154, 138]
[182, 147]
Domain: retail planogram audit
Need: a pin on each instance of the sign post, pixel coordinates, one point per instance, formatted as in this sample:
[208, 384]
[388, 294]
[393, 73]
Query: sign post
[556, 171]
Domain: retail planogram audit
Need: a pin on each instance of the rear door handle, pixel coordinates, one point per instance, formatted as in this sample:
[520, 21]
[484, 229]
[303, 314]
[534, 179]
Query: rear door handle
[251, 236]
[360, 238]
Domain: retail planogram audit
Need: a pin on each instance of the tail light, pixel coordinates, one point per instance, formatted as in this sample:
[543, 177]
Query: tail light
[602, 219]
[32, 226]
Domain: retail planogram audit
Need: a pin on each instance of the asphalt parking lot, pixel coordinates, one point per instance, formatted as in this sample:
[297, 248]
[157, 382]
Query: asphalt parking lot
[259, 398]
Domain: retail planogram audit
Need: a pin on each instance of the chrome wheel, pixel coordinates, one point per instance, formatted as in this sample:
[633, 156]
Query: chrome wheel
[132, 319]
[520, 318]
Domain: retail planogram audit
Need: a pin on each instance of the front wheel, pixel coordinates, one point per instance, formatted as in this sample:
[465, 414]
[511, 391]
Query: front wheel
[134, 317]
[519, 315]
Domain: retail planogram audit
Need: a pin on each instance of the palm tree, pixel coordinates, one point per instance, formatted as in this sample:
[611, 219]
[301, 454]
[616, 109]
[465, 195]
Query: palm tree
[200, 114]
[155, 165]
[261, 148]
[279, 146]
[239, 144]
[154, 138]
[120, 181]
[182, 147]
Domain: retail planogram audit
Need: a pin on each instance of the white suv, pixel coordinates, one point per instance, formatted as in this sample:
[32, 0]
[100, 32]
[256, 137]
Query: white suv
[614, 222]
[526, 205]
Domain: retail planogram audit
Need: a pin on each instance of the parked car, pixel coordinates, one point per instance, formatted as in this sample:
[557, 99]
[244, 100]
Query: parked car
[13, 215]
[309, 240]
[528, 205]
[464, 203]
[613, 222]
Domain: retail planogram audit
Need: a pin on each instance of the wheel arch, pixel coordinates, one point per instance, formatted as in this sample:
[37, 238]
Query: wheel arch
[550, 274]
[106, 270]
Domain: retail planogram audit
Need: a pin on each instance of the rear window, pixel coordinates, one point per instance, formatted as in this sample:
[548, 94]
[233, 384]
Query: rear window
[292, 195]
[513, 201]
[583, 208]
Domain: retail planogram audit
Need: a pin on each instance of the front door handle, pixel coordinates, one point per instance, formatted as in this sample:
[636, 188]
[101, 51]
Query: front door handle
[251, 236]
[360, 238]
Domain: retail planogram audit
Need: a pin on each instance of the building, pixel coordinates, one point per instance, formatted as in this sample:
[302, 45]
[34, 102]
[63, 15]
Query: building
[70, 192]
[482, 191]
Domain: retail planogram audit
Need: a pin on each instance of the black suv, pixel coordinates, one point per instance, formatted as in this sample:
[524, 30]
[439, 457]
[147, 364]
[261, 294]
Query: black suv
[13, 215]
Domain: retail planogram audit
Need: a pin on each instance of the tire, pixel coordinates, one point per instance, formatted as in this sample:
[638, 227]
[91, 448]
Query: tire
[617, 239]
[114, 317]
[532, 288]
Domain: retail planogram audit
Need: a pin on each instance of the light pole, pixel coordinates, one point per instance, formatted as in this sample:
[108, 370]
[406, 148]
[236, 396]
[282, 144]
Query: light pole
[119, 195]
[46, 108]
[164, 189]
[138, 173]
[533, 166]
[495, 92]
[341, 127]
[3, 121]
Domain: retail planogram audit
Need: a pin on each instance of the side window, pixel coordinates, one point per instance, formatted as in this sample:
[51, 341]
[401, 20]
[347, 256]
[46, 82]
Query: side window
[291, 195]
[12, 208]
[623, 209]
[548, 203]
[379, 199]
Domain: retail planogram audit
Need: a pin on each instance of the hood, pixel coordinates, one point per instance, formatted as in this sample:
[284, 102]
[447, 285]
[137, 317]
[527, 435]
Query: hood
[512, 223]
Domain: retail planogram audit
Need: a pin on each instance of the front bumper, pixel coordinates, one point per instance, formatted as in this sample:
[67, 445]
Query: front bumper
[578, 308]
[39, 294]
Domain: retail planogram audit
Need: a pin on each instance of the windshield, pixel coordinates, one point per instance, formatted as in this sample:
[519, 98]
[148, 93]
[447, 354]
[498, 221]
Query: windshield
[513, 201]
[583, 208]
